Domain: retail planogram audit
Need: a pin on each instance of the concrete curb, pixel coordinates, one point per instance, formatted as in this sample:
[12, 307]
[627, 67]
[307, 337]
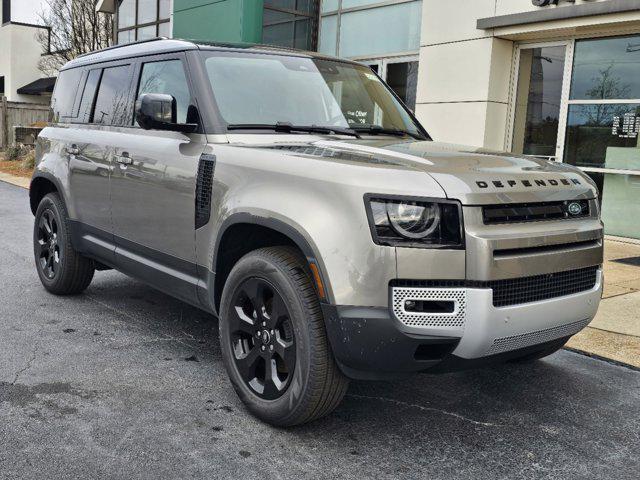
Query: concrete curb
[15, 180]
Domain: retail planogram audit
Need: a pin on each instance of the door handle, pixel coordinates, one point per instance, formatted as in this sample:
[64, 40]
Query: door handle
[124, 159]
[73, 150]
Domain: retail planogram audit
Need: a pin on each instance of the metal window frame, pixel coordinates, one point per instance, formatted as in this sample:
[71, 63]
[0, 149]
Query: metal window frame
[157, 22]
[565, 100]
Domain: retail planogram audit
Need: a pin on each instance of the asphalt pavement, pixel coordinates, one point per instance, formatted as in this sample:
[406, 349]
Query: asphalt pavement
[126, 382]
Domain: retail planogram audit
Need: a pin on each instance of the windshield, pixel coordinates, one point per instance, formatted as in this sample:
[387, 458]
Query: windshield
[262, 89]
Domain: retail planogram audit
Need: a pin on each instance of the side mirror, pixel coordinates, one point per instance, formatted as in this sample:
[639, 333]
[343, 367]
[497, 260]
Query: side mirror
[157, 111]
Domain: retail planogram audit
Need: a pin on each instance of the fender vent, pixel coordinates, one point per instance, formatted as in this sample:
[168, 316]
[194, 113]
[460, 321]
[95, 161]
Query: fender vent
[204, 186]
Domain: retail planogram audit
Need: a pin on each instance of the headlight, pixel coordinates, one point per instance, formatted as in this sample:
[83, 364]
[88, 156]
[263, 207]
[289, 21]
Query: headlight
[415, 223]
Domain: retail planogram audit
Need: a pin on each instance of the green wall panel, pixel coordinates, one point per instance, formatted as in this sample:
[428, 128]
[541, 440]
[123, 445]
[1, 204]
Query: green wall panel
[218, 20]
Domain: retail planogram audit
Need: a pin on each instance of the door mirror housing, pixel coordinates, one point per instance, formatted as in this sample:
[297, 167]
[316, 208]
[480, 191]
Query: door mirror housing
[158, 111]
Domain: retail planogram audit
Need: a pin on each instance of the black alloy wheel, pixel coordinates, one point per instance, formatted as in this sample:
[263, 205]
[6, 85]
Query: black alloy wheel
[50, 257]
[262, 338]
[62, 270]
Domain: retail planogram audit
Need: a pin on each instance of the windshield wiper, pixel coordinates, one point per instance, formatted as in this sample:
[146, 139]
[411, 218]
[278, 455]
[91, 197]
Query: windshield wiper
[287, 127]
[378, 130]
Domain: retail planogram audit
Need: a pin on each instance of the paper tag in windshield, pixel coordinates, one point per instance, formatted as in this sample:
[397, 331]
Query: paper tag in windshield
[371, 76]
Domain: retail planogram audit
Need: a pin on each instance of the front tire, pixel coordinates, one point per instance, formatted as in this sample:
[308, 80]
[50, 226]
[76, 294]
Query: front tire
[61, 269]
[273, 340]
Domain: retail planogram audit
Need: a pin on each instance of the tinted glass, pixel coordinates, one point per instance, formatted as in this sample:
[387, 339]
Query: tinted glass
[127, 14]
[66, 89]
[603, 136]
[111, 104]
[169, 78]
[165, 9]
[403, 79]
[146, 33]
[266, 89]
[538, 98]
[127, 36]
[606, 69]
[89, 95]
[147, 11]
[378, 31]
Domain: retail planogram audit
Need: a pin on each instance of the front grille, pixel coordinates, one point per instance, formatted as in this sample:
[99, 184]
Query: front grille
[535, 212]
[543, 287]
[515, 291]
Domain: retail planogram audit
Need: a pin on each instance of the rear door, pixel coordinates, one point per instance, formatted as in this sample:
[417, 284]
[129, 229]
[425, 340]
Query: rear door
[101, 105]
[153, 185]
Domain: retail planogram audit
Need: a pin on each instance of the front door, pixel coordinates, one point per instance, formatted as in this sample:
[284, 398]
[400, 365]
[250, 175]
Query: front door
[153, 187]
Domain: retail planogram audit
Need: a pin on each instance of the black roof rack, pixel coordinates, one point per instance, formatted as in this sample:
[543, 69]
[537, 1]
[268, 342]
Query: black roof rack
[122, 45]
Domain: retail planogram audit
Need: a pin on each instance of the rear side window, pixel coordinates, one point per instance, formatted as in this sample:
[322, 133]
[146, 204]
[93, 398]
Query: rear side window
[167, 77]
[111, 103]
[89, 96]
[64, 98]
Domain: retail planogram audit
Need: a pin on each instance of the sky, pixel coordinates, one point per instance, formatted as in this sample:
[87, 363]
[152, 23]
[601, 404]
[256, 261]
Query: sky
[26, 11]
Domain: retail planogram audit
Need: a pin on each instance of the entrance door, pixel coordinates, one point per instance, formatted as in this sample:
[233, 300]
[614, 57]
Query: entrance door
[538, 101]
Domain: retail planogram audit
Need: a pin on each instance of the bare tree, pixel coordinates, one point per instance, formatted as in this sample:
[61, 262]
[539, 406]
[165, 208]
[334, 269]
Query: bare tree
[74, 28]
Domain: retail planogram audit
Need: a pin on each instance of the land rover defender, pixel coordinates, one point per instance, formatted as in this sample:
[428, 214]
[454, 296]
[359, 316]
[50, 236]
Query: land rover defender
[294, 196]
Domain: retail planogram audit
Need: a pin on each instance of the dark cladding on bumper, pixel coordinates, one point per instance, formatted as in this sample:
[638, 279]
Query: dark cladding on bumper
[367, 344]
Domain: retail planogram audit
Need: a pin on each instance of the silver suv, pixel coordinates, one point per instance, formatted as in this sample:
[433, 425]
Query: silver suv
[295, 197]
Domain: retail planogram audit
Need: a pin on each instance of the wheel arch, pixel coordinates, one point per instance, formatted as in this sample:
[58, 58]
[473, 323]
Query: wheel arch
[257, 232]
[42, 184]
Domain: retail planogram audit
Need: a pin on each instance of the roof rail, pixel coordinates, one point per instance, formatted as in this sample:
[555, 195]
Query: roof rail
[122, 45]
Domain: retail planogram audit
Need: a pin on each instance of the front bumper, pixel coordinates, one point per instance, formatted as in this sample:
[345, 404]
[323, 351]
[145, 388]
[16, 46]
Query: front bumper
[371, 343]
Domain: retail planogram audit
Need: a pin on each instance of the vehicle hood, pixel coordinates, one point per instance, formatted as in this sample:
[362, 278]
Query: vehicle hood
[473, 176]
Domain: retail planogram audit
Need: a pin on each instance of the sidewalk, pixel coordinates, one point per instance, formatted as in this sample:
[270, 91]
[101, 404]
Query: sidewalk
[615, 332]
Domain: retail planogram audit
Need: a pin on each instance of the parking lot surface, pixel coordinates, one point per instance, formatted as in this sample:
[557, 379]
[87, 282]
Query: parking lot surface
[126, 382]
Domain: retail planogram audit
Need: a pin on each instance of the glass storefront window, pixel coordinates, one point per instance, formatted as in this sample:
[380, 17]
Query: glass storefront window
[143, 19]
[127, 14]
[606, 69]
[603, 136]
[603, 126]
[538, 99]
[290, 23]
[377, 31]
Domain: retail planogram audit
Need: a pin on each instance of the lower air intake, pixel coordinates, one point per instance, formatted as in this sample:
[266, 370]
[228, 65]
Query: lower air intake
[515, 342]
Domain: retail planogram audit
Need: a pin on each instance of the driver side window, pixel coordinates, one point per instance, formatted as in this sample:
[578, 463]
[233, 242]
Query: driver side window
[167, 77]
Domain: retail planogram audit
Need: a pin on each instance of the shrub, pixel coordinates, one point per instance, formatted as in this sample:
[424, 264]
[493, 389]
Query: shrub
[29, 160]
[16, 152]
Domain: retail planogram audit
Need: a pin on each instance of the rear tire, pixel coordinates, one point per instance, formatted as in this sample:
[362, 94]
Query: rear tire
[61, 269]
[540, 354]
[273, 340]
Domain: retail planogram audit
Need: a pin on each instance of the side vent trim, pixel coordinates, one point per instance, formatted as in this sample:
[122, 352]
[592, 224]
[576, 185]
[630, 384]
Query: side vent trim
[204, 187]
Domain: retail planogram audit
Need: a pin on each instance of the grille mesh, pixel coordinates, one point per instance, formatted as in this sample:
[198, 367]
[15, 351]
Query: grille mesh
[516, 291]
[543, 287]
[204, 185]
[506, 344]
[455, 319]
[531, 212]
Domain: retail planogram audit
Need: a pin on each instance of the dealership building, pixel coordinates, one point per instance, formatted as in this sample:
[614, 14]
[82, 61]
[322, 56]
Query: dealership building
[558, 79]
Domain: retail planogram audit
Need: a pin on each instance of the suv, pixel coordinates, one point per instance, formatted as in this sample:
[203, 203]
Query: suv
[294, 196]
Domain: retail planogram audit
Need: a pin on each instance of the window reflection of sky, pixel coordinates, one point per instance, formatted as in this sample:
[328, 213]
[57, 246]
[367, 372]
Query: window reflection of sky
[607, 68]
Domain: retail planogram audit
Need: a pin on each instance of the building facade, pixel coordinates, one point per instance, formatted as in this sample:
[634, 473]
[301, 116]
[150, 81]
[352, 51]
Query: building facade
[20, 78]
[382, 33]
[549, 78]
